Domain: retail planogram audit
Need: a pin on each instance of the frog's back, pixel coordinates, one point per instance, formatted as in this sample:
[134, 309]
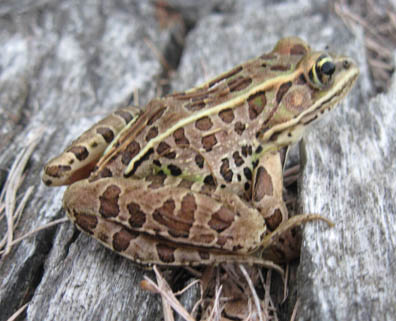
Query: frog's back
[208, 133]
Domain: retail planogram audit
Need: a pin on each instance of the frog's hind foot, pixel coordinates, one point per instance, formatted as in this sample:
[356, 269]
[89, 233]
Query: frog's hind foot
[283, 244]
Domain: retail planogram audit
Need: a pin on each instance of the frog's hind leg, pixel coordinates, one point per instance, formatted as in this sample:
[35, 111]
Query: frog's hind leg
[148, 250]
[78, 159]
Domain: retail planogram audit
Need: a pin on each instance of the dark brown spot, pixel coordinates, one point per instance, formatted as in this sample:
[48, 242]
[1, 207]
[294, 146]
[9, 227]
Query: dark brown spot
[194, 96]
[248, 173]
[256, 103]
[209, 180]
[199, 160]
[204, 123]
[239, 128]
[130, 152]
[274, 136]
[298, 50]
[162, 148]
[157, 115]
[57, 170]
[259, 149]
[166, 253]
[246, 150]
[94, 144]
[204, 255]
[105, 172]
[122, 239]
[124, 115]
[198, 105]
[157, 180]
[280, 67]
[80, 152]
[109, 202]
[239, 177]
[185, 184]
[208, 189]
[188, 208]
[221, 240]
[103, 237]
[227, 115]
[209, 141]
[274, 220]
[301, 80]
[247, 186]
[239, 83]
[106, 133]
[153, 132]
[229, 74]
[263, 185]
[178, 226]
[225, 170]
[268, 56]
[174, 170]
[282, 91]
[180, 138]
[167, 208]
[86, 222]
[171, 155]
[221, 220]
[137, 216]
[238, 160]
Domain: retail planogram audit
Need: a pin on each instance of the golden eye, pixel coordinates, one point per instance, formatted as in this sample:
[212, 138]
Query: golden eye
[321, 71]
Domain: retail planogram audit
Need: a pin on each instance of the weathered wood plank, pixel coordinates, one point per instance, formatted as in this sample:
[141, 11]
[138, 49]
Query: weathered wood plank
[65, 64]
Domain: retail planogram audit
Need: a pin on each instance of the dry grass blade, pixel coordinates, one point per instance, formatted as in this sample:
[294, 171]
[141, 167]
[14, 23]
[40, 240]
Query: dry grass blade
[18, 313]
[215, 314]
[14, 181]
[40, 228]
[295, 309]
[167, 295]
[379, 23]
[253, 290]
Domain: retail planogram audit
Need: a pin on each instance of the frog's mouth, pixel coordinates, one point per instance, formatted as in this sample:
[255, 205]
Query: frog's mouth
[290, 132]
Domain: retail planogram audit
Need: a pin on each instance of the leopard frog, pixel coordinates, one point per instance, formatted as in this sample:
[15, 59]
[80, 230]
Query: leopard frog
[196, 177]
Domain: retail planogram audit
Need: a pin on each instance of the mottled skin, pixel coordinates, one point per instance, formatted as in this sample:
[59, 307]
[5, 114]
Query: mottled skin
[196, 178]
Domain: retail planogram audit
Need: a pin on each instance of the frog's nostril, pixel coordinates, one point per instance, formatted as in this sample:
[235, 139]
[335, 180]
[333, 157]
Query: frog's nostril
[346, 64]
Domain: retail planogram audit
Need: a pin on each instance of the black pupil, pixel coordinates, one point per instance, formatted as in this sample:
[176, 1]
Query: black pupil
[328, 68]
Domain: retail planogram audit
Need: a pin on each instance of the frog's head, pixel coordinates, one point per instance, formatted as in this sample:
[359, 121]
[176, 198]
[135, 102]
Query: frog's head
[318, 82]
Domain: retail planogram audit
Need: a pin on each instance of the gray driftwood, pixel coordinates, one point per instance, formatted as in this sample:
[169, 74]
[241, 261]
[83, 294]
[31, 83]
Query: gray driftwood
[65, 64]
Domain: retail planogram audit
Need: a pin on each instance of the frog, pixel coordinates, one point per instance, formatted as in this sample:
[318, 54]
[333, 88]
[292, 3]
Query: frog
[196, 177]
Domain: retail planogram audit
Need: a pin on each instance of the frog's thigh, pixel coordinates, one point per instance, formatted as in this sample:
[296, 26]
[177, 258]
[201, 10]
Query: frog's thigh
[78, 159]
[171, 208]
[146, 249]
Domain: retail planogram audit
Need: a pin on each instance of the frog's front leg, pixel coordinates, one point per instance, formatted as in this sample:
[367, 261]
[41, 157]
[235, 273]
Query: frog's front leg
[281, 244]
[78, 159]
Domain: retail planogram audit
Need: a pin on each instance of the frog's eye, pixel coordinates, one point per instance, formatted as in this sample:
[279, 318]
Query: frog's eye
[321, 71]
